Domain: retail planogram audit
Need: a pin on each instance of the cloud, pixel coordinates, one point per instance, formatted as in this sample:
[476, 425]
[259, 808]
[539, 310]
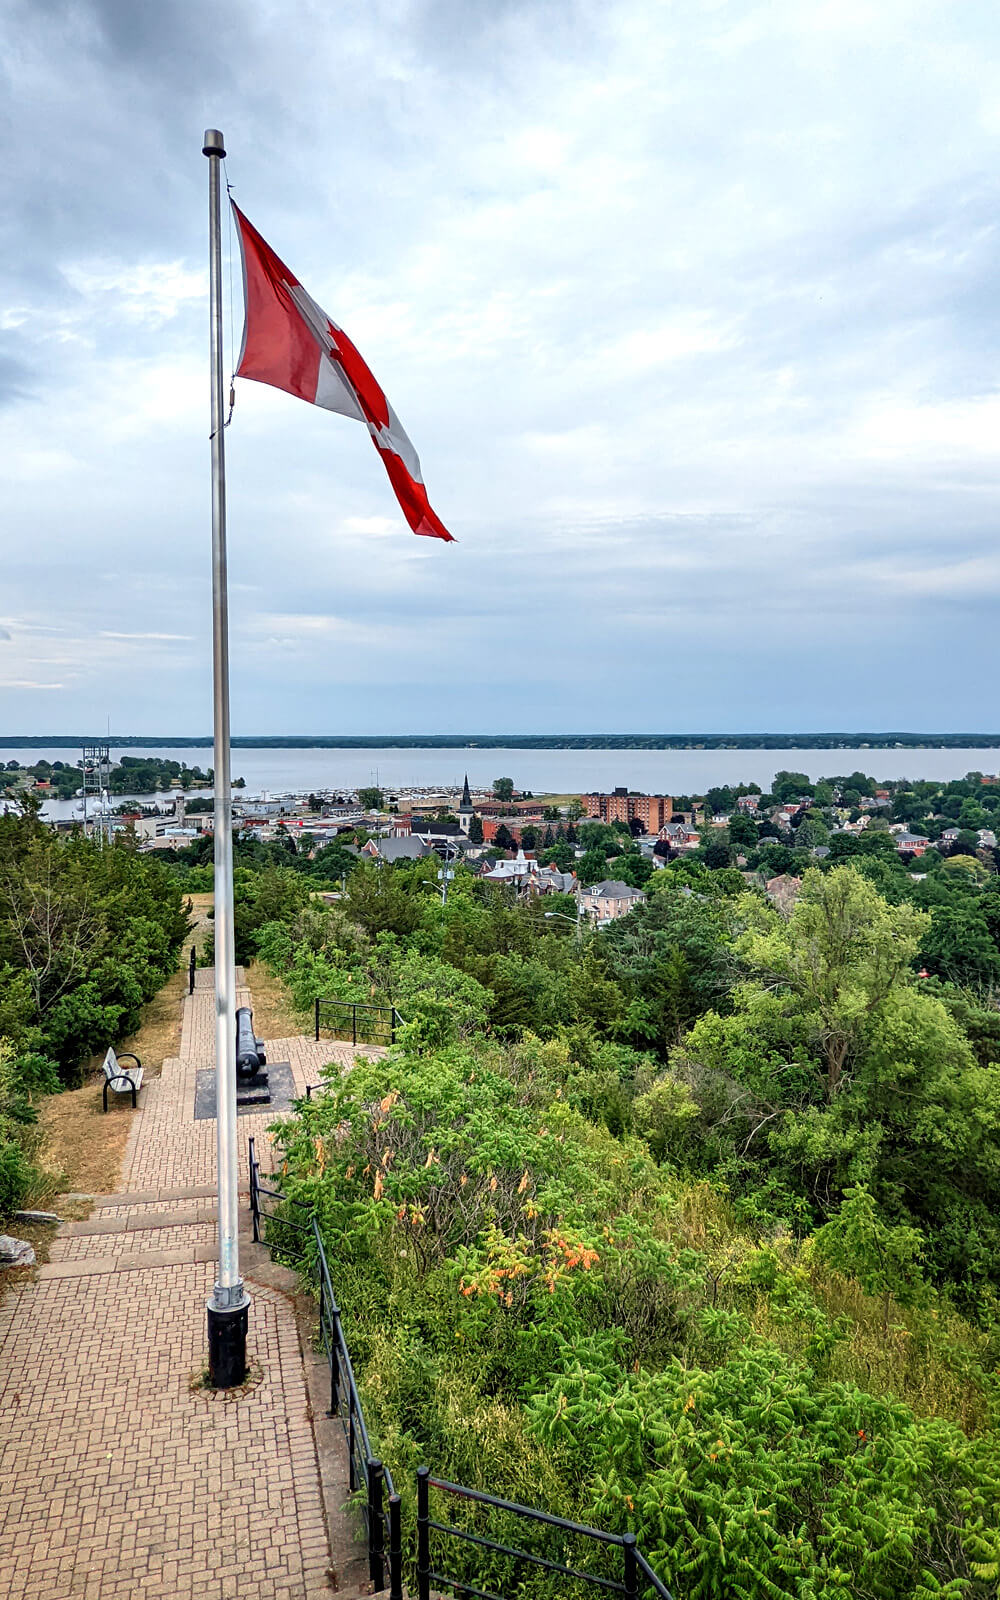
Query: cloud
[107, 633]
[149, 292]
[27, 683]
[689, 310]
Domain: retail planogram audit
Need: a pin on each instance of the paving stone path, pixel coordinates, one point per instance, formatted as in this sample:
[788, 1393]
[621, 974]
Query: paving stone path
[119, 1476]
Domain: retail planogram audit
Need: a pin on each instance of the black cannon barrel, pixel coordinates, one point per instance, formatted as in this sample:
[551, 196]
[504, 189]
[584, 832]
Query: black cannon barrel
[249, 1058]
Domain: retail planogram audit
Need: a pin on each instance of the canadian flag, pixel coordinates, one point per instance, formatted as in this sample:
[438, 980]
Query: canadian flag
[291, 343]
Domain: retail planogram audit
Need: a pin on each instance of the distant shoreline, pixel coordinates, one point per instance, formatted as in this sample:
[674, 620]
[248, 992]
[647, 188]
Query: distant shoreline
[526, 741]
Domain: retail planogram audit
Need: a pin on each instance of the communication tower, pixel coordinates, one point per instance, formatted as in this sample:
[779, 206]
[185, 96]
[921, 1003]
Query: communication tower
[96, 767]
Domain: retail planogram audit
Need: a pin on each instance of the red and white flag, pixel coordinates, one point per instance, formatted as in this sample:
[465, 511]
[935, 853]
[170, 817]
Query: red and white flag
[291, 343]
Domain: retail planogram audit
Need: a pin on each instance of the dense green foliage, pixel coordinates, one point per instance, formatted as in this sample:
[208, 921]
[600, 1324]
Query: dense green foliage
[87, 935]
[688, 1225]
[539, 1305]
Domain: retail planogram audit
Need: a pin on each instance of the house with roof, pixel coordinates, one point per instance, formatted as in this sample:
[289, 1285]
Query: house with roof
[912, 844]
[609, 899]
[529, 877]
[430, 832]
[504, 871]
[680, 835]
[398, 849]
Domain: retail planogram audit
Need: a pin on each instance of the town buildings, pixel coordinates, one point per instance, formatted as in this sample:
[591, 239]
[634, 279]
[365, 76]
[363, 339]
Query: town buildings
[652, 810]
[529, 877]
[680, 835]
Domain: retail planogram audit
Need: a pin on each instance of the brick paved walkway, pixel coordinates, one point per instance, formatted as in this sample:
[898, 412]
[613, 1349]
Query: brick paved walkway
[119, 1476]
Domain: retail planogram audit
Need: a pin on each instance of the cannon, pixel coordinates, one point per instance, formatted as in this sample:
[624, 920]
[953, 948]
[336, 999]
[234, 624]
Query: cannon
[250, 1055]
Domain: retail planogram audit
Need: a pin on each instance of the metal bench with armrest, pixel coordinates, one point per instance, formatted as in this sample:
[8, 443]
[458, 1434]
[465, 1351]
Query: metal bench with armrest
[123, 1080]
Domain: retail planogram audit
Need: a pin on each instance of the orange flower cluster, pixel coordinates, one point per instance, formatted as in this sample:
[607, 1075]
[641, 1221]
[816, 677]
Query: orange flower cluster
[492, 1283]
[574, 1255]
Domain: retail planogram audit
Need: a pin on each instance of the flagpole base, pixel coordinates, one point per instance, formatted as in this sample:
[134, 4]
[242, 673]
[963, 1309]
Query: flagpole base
[227, 1344]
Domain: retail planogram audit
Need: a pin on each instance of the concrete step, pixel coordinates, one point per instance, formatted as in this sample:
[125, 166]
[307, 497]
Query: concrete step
[97, 1265]
[146, 1219]
[141, 1197]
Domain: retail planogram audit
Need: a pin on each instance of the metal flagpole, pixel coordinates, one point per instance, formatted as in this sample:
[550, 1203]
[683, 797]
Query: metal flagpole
[228, 1308]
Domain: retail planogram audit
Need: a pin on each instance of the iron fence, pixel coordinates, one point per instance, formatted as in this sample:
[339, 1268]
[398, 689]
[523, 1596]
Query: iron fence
[369, 1477]
[637, 1576]
[380, 1504]
[281, 1232]
[356, 1019]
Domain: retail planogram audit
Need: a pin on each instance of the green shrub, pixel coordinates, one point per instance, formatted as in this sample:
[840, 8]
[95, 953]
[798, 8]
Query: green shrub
[87, 935]
[539, 1310]
[19, 1176]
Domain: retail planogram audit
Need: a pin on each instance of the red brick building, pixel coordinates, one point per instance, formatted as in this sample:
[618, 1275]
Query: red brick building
[514, 826]
[652, 810]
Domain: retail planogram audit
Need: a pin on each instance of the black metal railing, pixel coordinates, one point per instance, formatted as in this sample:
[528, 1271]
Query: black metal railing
[318, 1088]
[380, 1504]
[369, 1477]
[637, 1576]
[192, 964]
[284, 1234]
[372, 1480]
[356, 1020]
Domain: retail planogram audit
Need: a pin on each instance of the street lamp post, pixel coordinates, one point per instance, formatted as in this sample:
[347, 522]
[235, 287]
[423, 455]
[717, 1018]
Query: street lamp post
[562, 917]
[443, 875]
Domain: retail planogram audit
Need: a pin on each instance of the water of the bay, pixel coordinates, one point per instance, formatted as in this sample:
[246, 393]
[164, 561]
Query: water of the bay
[674, 772]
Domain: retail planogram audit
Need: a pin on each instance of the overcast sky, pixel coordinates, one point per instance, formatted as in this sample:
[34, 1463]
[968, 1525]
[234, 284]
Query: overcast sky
[691, 311]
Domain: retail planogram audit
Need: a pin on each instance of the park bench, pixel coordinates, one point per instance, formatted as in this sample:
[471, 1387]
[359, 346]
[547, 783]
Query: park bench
[123, 1080]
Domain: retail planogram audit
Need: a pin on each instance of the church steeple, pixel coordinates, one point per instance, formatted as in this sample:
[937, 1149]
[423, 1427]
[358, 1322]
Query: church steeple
[465, 811]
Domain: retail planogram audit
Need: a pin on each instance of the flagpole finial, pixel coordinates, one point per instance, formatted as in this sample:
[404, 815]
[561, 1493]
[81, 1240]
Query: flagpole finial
[214, 145]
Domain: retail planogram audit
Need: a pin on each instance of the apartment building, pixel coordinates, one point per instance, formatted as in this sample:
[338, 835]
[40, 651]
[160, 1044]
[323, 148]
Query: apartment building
[652, 810]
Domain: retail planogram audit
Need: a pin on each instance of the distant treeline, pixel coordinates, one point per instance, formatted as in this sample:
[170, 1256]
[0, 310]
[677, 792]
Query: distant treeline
[536, 741]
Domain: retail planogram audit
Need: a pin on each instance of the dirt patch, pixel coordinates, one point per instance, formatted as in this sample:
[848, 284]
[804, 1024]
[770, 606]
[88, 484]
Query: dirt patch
[82, 1143]
[200, 1382]
[273, 1014]
[159, 1034]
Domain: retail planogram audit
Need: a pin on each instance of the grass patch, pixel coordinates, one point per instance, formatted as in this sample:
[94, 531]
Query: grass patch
[201, 905]
[274, 1016]
[78, 1141]
[81, 1142]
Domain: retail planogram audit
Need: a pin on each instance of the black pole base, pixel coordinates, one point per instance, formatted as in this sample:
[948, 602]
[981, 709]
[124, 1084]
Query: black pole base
[227, 1346]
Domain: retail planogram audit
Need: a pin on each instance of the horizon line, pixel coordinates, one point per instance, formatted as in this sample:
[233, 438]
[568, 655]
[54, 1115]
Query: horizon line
[14, 741]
